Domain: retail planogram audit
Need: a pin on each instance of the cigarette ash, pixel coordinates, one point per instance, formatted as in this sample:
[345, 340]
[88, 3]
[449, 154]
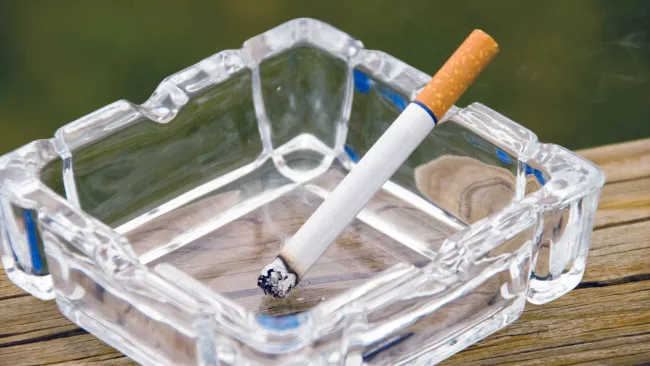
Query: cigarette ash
[276, 280]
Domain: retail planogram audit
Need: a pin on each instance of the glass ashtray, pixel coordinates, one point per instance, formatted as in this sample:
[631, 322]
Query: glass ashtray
[148, 224]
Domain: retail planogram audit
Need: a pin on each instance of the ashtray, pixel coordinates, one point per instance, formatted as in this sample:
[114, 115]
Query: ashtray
[148, 224]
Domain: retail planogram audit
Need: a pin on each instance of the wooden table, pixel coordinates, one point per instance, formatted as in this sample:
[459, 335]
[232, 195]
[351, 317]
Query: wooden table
[605, 320]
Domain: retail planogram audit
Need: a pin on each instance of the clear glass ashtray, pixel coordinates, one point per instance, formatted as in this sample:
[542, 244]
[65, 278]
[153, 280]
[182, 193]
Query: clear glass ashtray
[148, 224]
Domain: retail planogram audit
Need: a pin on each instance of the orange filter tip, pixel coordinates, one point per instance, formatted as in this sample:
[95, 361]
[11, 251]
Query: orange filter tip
[458, 73]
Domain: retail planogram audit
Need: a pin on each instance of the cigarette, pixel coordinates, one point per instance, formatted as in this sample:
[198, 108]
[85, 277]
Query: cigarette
[389, 152]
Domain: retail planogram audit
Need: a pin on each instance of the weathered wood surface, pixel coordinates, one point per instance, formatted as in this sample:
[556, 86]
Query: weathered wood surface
[606, 320]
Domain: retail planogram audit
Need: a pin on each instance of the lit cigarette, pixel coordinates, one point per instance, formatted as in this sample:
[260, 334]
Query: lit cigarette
[378, 165]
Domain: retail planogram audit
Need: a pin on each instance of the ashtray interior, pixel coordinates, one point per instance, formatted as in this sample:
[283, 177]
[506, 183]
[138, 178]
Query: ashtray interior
[245, 235]
[217, 189]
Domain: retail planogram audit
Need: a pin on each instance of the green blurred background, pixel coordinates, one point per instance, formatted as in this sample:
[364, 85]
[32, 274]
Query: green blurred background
[576, 72]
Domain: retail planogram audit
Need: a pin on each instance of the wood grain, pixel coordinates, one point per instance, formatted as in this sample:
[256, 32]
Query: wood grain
[605, 320]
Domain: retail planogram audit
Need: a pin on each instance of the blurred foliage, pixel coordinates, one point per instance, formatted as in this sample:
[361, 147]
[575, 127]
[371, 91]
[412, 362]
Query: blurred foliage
[576, 72]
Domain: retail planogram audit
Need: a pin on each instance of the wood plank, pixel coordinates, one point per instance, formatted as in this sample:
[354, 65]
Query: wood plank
[625, 161]
[77, 348]
[618, 253]
[23, 320]
[606, 320]
[7, 288]
[623, 202]
[109, 359]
